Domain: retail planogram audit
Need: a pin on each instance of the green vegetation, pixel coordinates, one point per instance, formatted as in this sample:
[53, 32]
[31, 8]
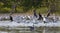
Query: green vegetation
[22, 6]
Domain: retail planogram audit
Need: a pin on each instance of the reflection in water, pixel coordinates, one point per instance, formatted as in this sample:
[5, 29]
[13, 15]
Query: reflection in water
[27, 29]
[37, 30]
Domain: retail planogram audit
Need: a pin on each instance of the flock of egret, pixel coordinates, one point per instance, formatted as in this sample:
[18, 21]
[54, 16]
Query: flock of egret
[32, 19]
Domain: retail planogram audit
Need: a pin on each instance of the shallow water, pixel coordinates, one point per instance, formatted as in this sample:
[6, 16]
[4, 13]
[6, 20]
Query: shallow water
[20, 29]
[38, 30]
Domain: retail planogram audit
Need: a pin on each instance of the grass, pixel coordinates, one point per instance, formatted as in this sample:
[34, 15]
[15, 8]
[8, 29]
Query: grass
[42, 10]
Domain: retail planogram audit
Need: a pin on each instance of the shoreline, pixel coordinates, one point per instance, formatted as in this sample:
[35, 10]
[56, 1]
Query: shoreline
[27, 14]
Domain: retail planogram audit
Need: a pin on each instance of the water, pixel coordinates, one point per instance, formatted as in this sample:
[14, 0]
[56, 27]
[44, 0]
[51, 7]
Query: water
[39, 30]
[21, 25]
